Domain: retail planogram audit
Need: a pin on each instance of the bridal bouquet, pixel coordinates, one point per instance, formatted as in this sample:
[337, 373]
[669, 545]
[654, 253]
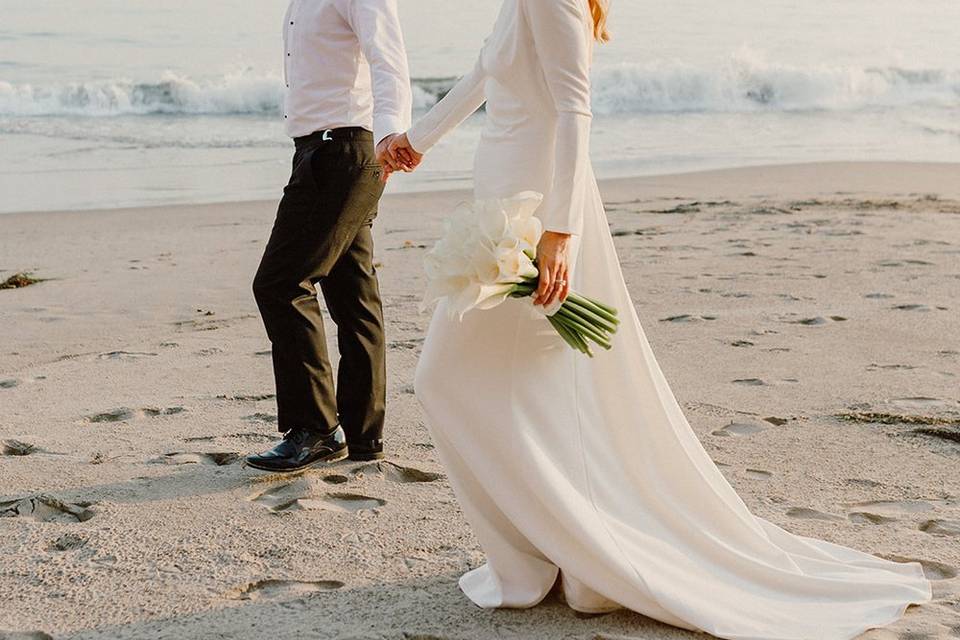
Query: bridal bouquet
[488, 254]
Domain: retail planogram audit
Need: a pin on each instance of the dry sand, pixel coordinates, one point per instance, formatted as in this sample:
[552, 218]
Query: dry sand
[806, 316]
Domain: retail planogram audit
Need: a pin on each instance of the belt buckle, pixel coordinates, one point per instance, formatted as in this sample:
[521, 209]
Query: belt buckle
[326, 137]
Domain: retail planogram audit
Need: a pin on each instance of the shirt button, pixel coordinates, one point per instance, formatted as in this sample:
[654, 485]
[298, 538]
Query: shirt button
[288, 55]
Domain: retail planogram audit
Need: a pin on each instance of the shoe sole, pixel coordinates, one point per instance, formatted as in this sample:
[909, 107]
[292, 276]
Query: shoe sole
[328, 459]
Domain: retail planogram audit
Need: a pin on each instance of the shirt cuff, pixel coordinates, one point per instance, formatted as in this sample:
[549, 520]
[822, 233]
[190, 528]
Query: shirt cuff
[383, 126]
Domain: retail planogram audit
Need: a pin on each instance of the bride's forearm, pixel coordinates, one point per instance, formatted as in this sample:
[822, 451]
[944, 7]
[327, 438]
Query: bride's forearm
[562, 209]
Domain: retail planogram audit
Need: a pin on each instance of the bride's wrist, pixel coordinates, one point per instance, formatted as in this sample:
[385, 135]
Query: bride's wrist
[556, 235]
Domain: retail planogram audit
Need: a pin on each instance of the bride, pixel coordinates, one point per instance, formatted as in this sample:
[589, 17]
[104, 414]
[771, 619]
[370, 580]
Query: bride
[586, 469]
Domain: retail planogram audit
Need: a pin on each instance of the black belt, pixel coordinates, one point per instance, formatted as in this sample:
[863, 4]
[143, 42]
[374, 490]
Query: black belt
[329, 135]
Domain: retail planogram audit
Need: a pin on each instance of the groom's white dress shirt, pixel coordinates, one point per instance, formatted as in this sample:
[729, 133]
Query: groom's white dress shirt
[345, 65]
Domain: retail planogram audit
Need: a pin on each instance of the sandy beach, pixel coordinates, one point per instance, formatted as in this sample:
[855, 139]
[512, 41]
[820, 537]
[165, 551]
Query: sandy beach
[806, 316]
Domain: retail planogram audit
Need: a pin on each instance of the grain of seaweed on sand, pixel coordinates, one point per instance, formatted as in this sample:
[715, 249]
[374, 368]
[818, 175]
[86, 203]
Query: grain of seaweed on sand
[19, 280]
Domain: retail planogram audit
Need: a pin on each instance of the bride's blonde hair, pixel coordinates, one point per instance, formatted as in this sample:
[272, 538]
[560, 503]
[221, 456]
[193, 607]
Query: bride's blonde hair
[599, 10]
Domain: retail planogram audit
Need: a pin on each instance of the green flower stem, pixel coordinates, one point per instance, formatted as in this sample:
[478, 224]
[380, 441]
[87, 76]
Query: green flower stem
[522, 290]
[598, 308]
[563, 334]
[569, 337]
[584, 328]
[582, 345]
[587, 306]
[590, 316]
[603, 307]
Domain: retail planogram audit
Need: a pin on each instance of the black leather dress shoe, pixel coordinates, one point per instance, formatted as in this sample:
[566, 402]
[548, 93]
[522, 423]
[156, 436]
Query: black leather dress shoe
[300, 449]
[365, 450]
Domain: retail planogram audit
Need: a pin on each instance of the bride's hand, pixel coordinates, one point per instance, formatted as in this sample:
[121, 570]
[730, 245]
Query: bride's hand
[403, 154]
[554, 270]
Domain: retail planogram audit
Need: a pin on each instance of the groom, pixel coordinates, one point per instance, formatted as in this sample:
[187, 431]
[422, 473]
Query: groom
[347, 89]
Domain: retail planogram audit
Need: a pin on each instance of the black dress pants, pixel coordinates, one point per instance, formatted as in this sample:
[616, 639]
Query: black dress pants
[322, 236]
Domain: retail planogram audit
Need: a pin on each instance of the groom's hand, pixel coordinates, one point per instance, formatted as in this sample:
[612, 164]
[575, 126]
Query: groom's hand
[404, 153]
[385, 158]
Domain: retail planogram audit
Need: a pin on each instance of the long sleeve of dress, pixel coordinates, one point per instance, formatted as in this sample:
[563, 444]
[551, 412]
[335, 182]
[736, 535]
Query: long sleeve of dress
[463, 99]
[562, 42]
[377, 25]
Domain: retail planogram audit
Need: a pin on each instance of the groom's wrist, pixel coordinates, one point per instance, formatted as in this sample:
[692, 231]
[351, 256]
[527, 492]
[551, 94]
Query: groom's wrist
[385, 126]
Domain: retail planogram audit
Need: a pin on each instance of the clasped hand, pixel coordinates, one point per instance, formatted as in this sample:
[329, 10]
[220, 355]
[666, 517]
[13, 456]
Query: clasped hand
[395, 153]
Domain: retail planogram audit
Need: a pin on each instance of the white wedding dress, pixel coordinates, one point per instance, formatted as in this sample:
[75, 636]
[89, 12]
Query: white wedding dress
[587, 468]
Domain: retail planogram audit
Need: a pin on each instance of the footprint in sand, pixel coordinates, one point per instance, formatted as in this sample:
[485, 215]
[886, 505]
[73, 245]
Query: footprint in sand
[205, 323]
[9, 383]
[890, 367]
[115, 415]
[818, 320]
[865, 517]
[247, 436]
[248, 397]
[123, 414]
[125, 355]
[739, 429]
[893, 508]
[260, 417]
[153, 412]
[25, 635]
[942, 434]
[66, 542]
[18, 448]
[302, 495]
[941, 527]
[910, 307]
[922, 403]
[750, 382]
[406, 345]
[282, 589]
[811, 514]
[864, 482]
[397, 473]
[686, 317]
[44, 508]
[759, 474]
[931, 569]
[216, 458]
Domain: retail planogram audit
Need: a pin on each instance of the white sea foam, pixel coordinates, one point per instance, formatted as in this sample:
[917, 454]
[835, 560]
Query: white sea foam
[747, 82]
[238, 93]
[744, 82]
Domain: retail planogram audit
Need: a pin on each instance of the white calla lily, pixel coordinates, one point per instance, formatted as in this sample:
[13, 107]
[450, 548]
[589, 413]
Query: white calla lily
[485, 265]
[527, 231]
[523, 204]
[485, 250]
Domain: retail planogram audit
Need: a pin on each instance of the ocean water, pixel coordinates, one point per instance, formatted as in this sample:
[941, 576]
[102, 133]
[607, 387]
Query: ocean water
[107, 103]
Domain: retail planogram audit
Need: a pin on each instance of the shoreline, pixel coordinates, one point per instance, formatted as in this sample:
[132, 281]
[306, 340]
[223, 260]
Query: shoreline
[898, 177]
